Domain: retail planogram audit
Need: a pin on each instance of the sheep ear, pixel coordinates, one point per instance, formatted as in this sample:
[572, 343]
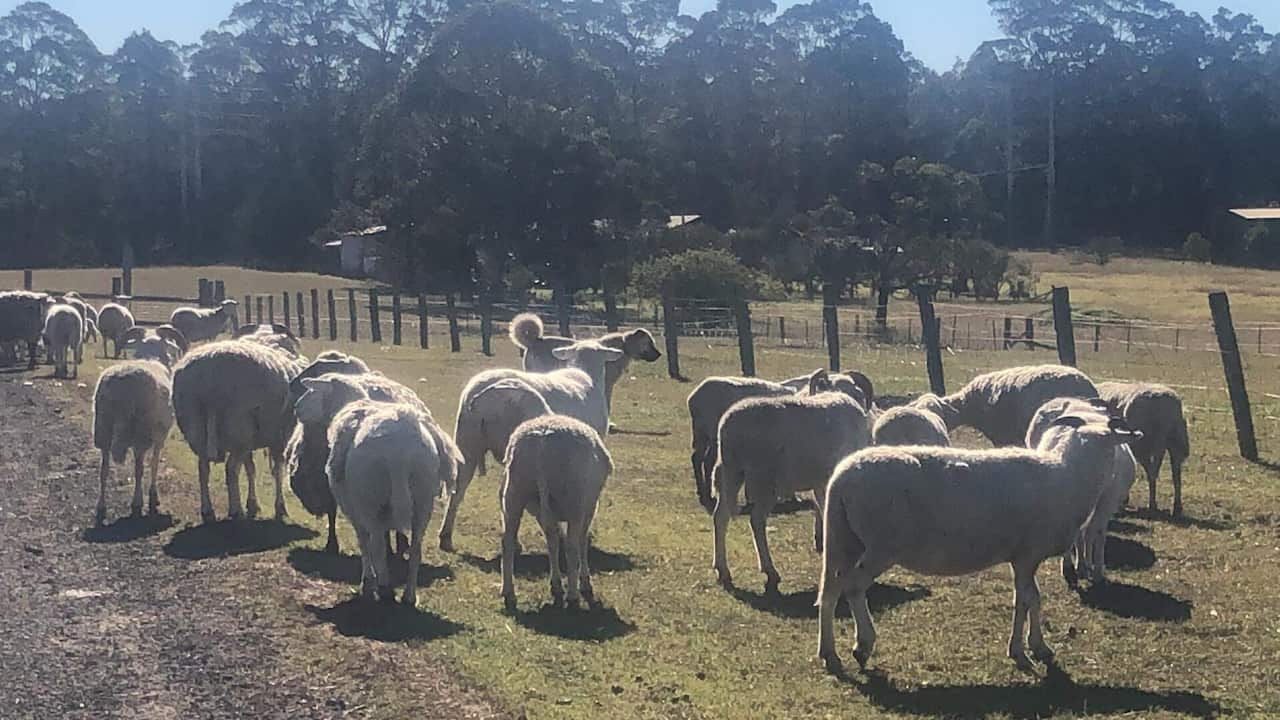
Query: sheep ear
[564, 353]
[1071, 421]
[279, 329]
[611, 353]
[312, 383]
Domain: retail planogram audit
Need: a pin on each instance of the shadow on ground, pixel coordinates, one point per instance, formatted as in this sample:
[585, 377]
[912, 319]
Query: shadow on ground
[346, 568]
[536, 565]
[128, 529]
[1184, 521]
[1127, 528]
[801, 604]
[384, 622]
[1131, 601]
[1056, 694]
[595, 624]
[1126, 554]
[233, 537]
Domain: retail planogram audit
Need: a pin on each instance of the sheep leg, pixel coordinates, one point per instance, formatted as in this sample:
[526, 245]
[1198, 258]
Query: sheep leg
[726, 506]
[584, 580]
[1175, 463]
[759, 526]
[378, 558]
[104, 469]
[1151, 465]
[465, 473]
[368, 582]
[551, 528]
[234, 509]
[331, 546]
[206, 504]
[1040, 650]
[1097, 549]
[1024, 589]
[251, 477]
[139, 457]
[708, 476]
[819, 499]
[512, 512]
[695, 459]
[574, 552]
[410, 597]
[153, 496]
[277, 478]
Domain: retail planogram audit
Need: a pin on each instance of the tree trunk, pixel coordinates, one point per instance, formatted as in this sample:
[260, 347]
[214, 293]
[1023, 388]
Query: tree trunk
[883, 293]
[563, 302]
[610, 306]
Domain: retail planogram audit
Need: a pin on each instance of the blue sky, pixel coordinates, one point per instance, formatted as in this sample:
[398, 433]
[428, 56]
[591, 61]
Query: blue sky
[936, 31]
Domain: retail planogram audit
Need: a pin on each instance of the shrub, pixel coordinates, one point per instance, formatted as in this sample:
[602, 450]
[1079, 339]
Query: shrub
[1197, 247]
[982, 264]
[1021, 280]
[1102, 249]
[520, 282]
[702, 275]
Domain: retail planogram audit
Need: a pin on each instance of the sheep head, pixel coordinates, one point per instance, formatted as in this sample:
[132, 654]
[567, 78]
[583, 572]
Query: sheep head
[324, 397]
[639, 344]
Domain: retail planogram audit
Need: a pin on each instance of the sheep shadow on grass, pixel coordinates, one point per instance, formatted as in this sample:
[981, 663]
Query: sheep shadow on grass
[594, 624]
[800, 605]
[128, 529]
[1185, 521]
[234, 537]
[1131, 601]
[534, 564]
[385, 621]
[1056, 694]
[345, 569]
[1123, 527]
[1126, 554]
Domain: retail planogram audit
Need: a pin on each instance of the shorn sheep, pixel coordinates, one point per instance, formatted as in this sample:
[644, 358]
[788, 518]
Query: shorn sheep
[231, 398]
[1155, 410]
[556, 468]
[947, 511]
[526, 332]
[385, 469]
[1087, 557]
[200, 324]
[113, 322]
[909, 425]
[63, 335]
[775, 447]
[1001, 404]
[485, 423]
[22, 321]
[132, 411]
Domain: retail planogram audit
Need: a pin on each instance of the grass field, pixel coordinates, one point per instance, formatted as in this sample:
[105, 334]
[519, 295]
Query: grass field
[1189, 627]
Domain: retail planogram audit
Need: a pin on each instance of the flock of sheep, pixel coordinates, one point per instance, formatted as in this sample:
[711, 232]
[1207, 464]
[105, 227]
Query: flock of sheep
[888, 489]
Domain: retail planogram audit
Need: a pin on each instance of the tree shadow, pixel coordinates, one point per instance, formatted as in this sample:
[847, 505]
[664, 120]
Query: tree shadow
[535, 564]
[595, 624]
[1127, 528]
[346, 568]
[640, 433]
[800, 605]
[1131, 601]
[233, 537]
[1126, 554]
[1184, 521]
[785, 506]
[1056, 694]
[128, 529]
[384, 622]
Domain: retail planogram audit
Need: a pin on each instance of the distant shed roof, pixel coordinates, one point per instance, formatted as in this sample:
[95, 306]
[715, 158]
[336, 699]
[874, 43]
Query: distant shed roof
[676, 221]
[1257, 213]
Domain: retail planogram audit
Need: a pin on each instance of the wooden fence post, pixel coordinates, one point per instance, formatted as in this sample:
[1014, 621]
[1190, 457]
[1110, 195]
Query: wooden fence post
[204, 294]
[375, 325]
[831, 324]
[333, 315]
[115, 287]
[353, 321]
[395, 318]
[1008, 333]
[1097, 337]
[219, 291]
[1063, 327]
[1234, 371]
[1128, 336]
[248, 309]
[315, 314]
[911, 340]
[486, 324]
[284, 309]
[782, 329]
[930, 330]
[27, 281]
[271, 309]
[302, 316]
[1030, 333]
[126, 270]
[670, 332]
[1177, 339]
[994, 336]
[746, 342]
[423, 340]
[258, 311]
[451, 313]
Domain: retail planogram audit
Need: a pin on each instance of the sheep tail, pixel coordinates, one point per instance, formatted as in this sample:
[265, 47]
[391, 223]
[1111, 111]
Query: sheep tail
[841, 547]
[212, 449]
[109, 434]
[525, 329]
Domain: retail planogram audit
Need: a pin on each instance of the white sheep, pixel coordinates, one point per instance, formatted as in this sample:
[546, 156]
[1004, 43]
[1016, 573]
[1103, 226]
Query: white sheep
[231, 398]
[909, 425]
[275, 335]
[854, 384]
[776, 447]
[484, 423]
[1155, 410]
[526, 332]
[556, 468]
[1087, 556]
[132, 411]
[200, 324]
[1001, 404]
[114, 321]
[948, 511]
[88, 323]
[385, 469]
[22, 316]
[63, 334]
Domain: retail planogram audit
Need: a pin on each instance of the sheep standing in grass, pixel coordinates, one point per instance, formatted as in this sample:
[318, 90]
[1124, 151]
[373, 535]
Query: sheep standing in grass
[1001, 404]
[63, 334]
[200, 324]
[1156, 411]
[231, 398]
[385, 469]
[88, 323]
[132, 411]
[22, 317]
[276, 336]
[485, 424]
[1087, 556]
[909, 425]
[947, 511]
[113, 322]
[776, 447]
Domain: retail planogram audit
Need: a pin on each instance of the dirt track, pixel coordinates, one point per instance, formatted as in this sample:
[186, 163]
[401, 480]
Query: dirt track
[144, 619]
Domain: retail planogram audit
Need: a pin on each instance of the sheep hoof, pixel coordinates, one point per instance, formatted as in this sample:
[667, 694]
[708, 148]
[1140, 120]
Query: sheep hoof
[1024, 664]
[574, 603]
[509, 603]
[331, 547]
[557, 598]
[251, 511]
[724, 577]
[135, 511]
[236, 515]
[410, 600]
[386, 594]
[208, 517]
[1070, 577]
[99, 517]
[863, 657]
[446, 543]
[281, 513]
[832, 663]
[1044, 654]
[771, 586]
[153, 507]
[1177, 511]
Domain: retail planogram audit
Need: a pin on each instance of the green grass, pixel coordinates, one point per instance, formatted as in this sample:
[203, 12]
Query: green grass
[1191, 627]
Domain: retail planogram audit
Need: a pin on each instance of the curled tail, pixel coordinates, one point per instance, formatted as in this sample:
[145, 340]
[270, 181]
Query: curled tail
[525, 329]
